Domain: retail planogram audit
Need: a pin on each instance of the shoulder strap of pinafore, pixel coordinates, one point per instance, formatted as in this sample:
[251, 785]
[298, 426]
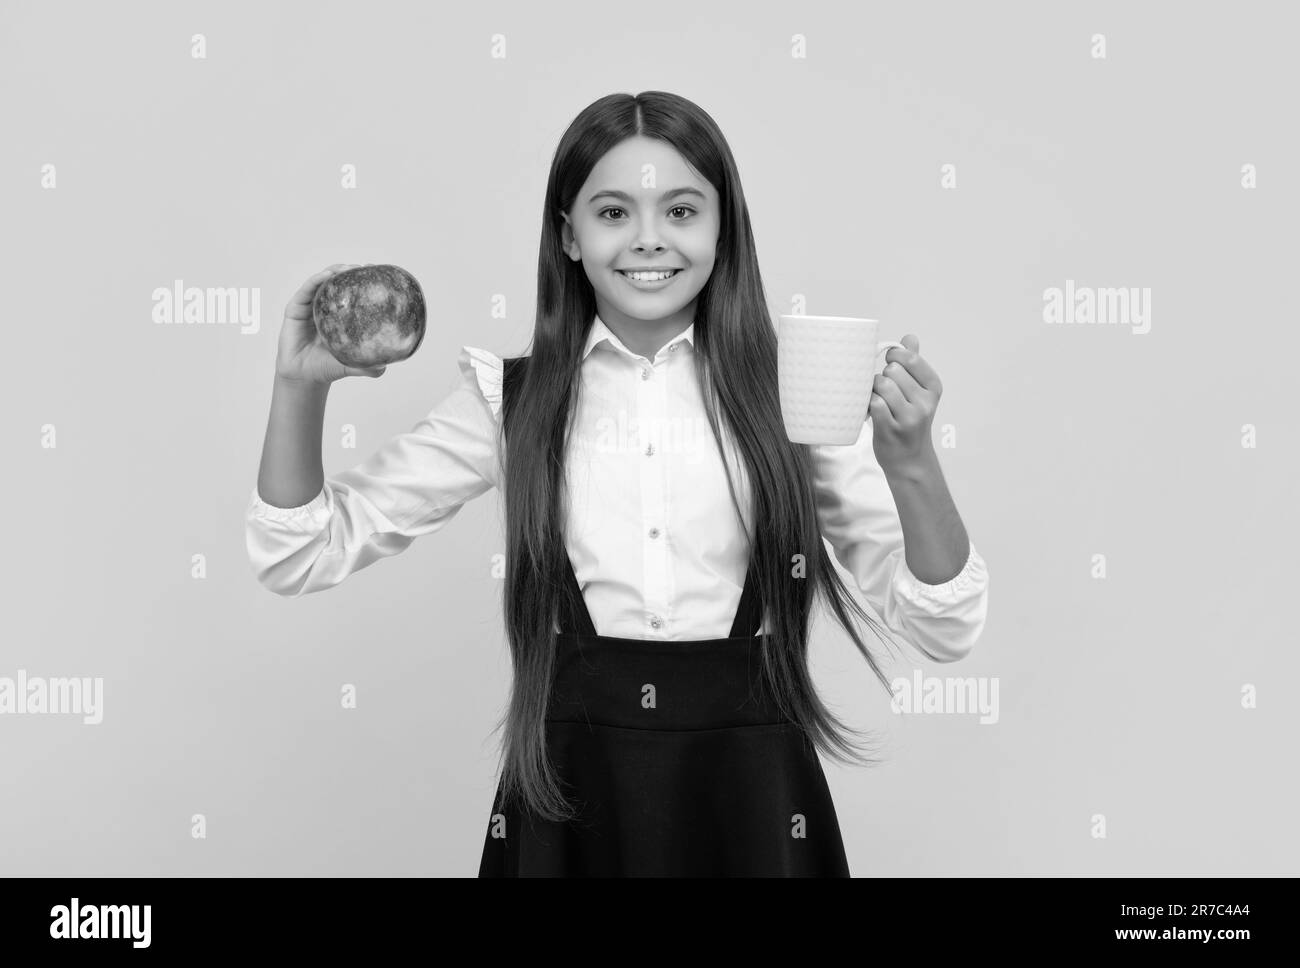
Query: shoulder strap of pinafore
[575, 619]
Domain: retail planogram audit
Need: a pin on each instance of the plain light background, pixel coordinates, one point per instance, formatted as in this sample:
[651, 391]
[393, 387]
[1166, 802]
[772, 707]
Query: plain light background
[1118, 696]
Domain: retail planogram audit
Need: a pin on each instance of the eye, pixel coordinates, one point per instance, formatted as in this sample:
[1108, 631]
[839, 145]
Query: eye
[683, 208]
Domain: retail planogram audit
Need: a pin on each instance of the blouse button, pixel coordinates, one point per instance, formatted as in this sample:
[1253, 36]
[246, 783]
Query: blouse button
[645, 373]
[655, 621]
[673, 347]
[654, 532]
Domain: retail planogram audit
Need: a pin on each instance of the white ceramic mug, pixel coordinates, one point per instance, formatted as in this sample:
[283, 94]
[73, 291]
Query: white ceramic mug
[826, 367]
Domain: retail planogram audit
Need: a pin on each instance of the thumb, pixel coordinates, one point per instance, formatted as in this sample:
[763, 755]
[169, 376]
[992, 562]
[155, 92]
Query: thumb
[372, 371]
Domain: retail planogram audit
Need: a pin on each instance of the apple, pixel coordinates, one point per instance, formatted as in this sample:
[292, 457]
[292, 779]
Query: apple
[370, 316]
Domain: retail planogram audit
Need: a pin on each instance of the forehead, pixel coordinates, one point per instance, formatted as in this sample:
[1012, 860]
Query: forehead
[623, 167]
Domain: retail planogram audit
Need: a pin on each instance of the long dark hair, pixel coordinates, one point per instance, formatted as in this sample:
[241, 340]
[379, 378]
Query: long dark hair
[736, 350]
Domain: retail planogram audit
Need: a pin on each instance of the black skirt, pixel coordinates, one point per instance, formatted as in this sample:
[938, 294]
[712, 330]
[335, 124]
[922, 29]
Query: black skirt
[677, 760]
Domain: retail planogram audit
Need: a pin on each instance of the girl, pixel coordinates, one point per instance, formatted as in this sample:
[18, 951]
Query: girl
[662, 720]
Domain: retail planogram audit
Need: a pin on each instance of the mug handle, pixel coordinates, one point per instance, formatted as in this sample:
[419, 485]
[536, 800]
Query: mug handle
[890, 344]
[887, 344]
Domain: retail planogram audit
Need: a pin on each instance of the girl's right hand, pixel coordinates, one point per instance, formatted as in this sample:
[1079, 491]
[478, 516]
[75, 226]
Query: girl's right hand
[302, 356]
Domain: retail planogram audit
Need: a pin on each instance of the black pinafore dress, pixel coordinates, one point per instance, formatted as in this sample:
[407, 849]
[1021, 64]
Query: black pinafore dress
[677, 759]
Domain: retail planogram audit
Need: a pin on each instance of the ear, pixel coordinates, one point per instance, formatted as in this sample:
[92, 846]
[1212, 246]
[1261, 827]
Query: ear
[568, 241]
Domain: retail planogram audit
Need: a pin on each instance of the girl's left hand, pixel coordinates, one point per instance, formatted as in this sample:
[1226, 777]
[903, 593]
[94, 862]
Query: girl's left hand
[903, 401]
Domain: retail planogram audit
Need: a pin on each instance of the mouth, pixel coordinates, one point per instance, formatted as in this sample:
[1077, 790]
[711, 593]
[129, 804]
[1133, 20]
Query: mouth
[649, 279]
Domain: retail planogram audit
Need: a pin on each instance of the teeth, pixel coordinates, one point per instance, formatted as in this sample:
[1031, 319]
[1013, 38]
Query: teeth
[650, 276]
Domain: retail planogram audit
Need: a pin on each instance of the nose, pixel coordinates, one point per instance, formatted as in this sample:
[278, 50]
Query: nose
[642, 246]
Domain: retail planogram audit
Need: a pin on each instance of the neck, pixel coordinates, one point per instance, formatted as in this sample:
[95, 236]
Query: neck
[646, 337]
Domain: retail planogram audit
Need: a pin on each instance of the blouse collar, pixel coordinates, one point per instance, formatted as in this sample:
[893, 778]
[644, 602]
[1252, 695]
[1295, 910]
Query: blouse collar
[600, 333]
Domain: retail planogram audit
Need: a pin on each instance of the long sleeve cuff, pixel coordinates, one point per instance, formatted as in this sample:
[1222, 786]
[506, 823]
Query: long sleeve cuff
[309, 517]
[944, 621]
[970, 581]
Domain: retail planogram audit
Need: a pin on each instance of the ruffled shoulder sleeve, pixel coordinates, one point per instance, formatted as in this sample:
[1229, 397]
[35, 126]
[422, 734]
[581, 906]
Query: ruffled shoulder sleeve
[486, 370]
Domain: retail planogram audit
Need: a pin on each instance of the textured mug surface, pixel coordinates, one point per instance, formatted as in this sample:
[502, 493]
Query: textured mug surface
[825, 369]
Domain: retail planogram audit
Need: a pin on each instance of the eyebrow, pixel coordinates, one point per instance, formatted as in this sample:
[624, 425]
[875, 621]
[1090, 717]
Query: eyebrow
[672, 193]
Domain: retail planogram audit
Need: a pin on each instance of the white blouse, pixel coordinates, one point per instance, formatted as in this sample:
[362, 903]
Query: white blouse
[653, 536]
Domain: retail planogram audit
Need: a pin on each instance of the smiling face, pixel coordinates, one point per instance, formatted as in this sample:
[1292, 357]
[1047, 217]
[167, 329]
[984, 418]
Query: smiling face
[617, 223]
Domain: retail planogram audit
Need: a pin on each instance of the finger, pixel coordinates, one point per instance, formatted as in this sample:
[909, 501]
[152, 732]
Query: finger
[878, 410]
[307, 290]
[920, 371]
[889, 391]
[370, 371]
[301, 302]
[901, 376]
